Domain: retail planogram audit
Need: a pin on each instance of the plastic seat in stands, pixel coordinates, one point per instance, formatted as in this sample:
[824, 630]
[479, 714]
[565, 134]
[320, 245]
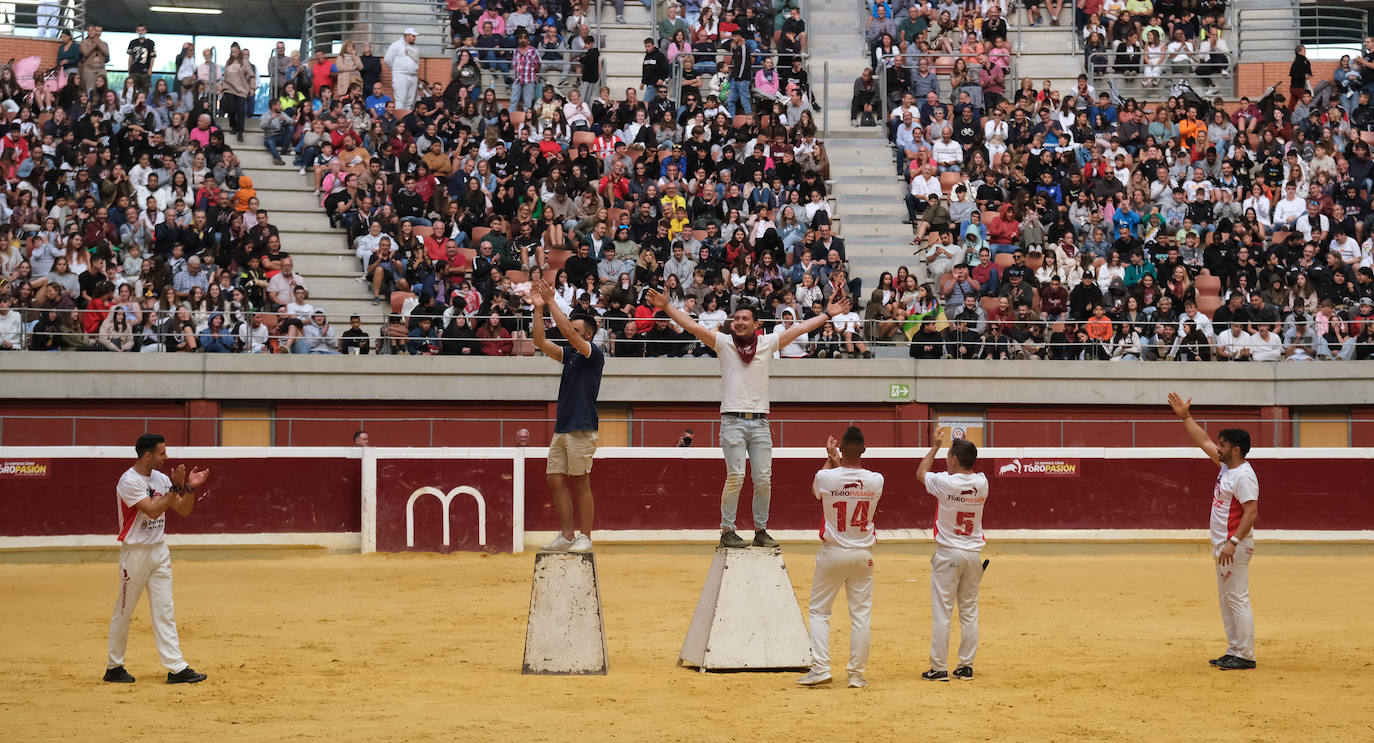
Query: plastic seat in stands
[587, 138]
[398, 300]
[517, 118]
[1208, 304]
[989, 304]
[1034, 261]
[1003, 260]
[1207, 285]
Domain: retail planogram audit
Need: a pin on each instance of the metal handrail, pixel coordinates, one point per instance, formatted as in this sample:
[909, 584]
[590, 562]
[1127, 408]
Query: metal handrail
[331, 22]
[912, 61]
[1123, 86]
[705, 430]
[1325, 25]
[66, 15]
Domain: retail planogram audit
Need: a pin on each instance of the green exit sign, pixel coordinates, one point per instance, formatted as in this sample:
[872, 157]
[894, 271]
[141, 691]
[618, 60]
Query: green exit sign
[899, 392]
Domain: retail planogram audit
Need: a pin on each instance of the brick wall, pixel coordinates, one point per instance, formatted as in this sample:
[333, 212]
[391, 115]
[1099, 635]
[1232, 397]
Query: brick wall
[1253, 78]
[18, 47]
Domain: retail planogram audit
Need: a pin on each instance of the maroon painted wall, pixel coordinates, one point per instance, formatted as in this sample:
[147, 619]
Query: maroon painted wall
[242, 496]
[1104, 494]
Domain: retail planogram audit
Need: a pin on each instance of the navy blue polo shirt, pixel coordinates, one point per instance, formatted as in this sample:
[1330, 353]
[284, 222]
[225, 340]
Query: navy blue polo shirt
[577, 391]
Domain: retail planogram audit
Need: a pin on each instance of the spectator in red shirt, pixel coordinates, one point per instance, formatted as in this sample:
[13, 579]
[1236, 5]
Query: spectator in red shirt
[495, 338]
[321, 73]
[1054, 300]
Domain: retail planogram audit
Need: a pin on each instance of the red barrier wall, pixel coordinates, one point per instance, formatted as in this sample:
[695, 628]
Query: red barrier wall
[416, 496]
[244, 496]
[321, 492]
[1103, 494]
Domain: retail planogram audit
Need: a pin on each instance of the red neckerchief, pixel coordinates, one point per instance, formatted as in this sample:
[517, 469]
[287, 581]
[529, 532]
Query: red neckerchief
[747, 348]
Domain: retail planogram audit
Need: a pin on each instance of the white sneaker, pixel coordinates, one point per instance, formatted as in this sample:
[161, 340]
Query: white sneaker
[560, 543]
[814, 679]
[857, 681]
[580, 543]
[301, 171]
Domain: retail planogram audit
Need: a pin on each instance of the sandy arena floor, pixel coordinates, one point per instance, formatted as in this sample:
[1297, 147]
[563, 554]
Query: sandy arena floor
[429, 648]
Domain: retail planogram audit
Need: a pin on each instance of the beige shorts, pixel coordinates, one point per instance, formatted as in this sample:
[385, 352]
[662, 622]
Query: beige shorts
[571, 453]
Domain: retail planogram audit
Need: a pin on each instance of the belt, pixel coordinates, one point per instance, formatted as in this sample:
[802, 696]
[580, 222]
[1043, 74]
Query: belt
[747, 416]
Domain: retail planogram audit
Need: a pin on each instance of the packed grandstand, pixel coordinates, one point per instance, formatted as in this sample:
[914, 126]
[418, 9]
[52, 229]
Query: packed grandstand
[1065, 224]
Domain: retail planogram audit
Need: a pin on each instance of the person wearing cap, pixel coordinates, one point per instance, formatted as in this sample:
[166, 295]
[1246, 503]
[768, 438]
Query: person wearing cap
[403, 57]
[1313, 225]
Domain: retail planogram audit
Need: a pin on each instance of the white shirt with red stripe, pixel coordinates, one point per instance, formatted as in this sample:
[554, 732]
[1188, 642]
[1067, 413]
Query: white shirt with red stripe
[959, 498]
[1234, 487]
[134, 526]
[849, 501]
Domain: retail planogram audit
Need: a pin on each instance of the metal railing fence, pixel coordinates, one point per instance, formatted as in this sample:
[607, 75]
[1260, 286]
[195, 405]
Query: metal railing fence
[787, 431]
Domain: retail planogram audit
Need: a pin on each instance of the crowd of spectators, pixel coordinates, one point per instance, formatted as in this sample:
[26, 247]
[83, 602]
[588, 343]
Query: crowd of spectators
[717, 197]
[1079, 224]
[127, 223]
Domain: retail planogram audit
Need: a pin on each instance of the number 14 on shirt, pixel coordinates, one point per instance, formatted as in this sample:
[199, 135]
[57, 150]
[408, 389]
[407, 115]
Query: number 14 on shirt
[860, 519]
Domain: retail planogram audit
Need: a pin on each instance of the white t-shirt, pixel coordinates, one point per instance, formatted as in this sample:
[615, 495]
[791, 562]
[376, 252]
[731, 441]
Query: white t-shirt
[849, 501]
[960, 498]
[847, 322]
[1266, 350]
[1234, 487]
[744, 387]
[134, 526]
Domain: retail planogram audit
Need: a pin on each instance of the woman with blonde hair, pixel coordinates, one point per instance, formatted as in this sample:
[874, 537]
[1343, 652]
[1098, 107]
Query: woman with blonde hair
[348, 66]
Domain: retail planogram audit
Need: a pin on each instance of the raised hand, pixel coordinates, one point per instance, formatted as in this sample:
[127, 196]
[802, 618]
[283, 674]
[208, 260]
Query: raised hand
[177, 475]
[656, 299]
[545, 292]
[536, 298]
[1180, 406]
[832, 450]
[838, 307]
[937, 434]
[197, 477]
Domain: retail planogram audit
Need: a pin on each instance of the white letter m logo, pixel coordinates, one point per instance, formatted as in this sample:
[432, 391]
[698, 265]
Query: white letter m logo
[445, 499]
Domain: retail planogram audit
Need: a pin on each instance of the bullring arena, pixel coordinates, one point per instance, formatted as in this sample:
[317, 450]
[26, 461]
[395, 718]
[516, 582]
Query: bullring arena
[328, 256]
[1085, 634]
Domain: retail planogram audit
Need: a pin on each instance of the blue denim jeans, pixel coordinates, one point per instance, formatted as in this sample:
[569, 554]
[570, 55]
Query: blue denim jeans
[741, 439]
[524, 93]
[278, 143]
[738, 98]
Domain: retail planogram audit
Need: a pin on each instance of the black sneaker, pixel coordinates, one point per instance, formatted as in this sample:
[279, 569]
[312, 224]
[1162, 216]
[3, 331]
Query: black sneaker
[732, 540]
[964, 672]
[761, 539]
[117, 675]
[1217, 661]
[1235, 663]
[185, 676]
[934, 675]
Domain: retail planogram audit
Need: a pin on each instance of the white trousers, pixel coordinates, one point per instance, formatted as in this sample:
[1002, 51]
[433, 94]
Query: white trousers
[1233, 593]
[851, 569]
[954, 574]
[403, 87]
[145, 566]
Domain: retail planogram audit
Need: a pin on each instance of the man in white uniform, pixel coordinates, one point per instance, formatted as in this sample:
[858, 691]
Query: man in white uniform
[403, 57]
[144, 495]
[955, 568]
[744, 432]
[1235, 508]
[849, 501]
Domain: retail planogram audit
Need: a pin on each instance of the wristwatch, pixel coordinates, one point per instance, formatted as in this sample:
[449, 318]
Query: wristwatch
[1233, 540]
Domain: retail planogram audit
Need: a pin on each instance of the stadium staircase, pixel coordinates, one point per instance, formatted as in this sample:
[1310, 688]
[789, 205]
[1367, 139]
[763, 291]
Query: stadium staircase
[868, 194]
[320, 253]
[622, 45]
[867, 188]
